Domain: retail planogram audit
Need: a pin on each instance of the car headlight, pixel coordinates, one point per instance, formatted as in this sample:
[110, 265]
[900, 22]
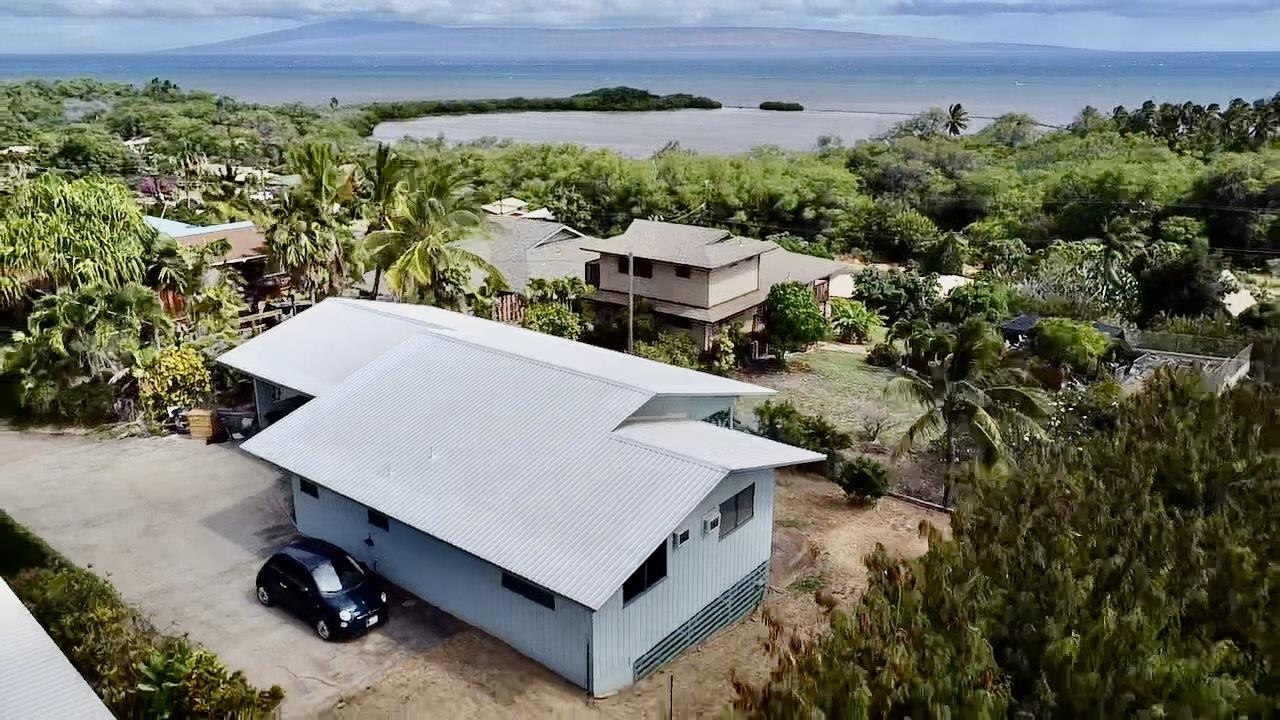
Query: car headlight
[384, 597]
[345, 615]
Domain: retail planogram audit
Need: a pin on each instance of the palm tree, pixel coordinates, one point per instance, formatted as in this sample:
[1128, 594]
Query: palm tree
[428, 265]
[310, 237]
[957, 119]
[386, 175]
[968, 395]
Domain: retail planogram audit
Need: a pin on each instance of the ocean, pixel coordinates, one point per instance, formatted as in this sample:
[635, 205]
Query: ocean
[858, 95]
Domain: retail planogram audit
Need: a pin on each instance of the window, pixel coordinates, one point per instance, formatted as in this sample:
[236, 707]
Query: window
[338, 575]
[308, 488]
[644, 268]
[680, 537]
[379, 520]
[682, 271]
[650, 572]
[737, 510]
[529, 590]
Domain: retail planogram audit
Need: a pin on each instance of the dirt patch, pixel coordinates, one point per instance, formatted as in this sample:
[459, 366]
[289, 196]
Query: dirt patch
[819, 543]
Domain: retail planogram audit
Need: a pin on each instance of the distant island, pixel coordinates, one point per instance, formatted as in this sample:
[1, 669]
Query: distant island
[377, 37]
[615, 99]
[781, 106]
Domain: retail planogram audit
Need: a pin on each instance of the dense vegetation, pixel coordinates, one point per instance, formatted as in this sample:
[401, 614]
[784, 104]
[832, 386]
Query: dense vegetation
[617, 99]
[1132, 576]
[137, 671]
[781, 106]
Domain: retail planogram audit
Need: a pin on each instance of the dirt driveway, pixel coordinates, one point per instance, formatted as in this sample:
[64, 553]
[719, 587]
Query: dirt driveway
[181, 528]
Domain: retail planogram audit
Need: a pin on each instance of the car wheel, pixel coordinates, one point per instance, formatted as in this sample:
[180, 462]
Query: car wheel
[264, 596]
[322, 629]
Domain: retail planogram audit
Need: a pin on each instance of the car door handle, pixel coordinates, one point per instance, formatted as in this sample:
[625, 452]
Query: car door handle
[286, 587]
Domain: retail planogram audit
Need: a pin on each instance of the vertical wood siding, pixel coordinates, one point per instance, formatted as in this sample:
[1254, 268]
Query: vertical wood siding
[454, 581]
[697, 573]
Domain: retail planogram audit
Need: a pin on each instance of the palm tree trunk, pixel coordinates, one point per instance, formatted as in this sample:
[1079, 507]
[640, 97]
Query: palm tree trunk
[951, 463]
[377, 280]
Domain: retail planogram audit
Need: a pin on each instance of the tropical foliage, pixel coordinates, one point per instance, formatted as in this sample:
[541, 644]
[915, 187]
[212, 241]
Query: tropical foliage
[1130, 576]
[553, 318]
[792, 318]
[672, 348]
[178, 377]
[968, 397]
[852, 321]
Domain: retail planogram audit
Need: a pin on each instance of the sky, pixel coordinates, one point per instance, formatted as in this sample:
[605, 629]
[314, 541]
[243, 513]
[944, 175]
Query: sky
[60, 26]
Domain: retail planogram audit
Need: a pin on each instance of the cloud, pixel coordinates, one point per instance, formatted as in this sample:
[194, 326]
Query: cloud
[586, 12]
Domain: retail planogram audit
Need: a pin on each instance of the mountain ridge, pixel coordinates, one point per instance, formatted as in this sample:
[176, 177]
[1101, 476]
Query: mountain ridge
[364, 37]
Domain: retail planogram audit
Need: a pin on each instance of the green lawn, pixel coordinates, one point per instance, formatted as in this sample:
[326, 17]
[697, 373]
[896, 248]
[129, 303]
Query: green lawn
[840, 386]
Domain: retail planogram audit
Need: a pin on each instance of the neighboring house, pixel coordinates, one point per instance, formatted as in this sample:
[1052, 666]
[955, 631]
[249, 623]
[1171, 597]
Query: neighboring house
[38, 682]
[515, 207]
[1019, 330]
[524, 249]
[564, 498]
[248, 255]
[698, 279]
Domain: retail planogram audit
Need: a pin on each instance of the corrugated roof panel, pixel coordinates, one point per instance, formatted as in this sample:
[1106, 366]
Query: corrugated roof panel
[38, 682]
[714, 445]
[320, 347]
[630, 370]
[509, 459]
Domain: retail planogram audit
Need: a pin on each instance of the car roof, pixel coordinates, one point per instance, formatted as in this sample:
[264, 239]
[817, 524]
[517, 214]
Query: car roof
[312, 552]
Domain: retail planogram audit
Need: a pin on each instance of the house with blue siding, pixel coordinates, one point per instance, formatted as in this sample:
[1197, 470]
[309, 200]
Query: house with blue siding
[571, 501]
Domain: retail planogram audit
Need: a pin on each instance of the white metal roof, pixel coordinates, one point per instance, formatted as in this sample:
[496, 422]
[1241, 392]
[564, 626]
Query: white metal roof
[511, 459]
[719, 447]
[320, 347]
[37, 682]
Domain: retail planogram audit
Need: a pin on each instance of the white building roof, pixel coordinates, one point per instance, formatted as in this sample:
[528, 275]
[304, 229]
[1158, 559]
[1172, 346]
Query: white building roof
[320, 347]
[704, 443]
[510, 459]
[37, 682]
[177, 230]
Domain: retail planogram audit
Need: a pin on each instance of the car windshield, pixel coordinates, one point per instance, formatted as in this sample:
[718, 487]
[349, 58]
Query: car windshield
[338, 575]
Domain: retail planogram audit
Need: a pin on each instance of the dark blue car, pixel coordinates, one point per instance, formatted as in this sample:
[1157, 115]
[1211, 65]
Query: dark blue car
[325, 586]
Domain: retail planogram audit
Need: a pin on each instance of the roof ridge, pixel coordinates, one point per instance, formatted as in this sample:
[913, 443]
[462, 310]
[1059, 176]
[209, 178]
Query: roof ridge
[436, 331]
[612, 434]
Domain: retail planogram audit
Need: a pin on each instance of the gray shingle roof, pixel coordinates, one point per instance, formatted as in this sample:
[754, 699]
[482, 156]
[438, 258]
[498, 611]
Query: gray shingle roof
[524, 249]
[37, 681]
[681, 244]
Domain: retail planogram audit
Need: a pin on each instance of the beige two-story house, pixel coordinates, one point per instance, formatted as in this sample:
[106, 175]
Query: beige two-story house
[699, 280]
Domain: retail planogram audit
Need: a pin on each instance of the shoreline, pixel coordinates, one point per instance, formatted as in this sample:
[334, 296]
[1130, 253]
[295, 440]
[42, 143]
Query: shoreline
[725, 131]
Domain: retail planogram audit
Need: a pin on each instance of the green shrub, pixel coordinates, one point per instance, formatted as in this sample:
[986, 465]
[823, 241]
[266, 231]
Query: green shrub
[862, 479]
[783, 422]
[781, 106]
[22, 549]
[553, 318]
[178, 377]
[884, 355]
[896, 295]
[792, 318]
[852, 321]
[672, 348]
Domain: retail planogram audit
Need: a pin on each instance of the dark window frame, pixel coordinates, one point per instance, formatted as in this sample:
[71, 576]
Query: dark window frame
[732, 510]
[378, 520]
[529, 591]
[650, 574]
[306, 487]
[643, 267]
[684, 272]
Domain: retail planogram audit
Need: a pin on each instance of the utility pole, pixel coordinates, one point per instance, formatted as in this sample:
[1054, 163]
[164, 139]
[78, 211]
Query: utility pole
[631, 300]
